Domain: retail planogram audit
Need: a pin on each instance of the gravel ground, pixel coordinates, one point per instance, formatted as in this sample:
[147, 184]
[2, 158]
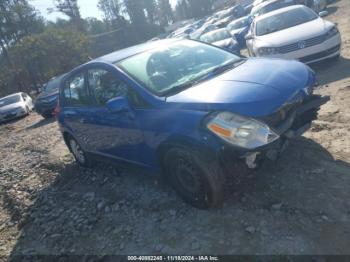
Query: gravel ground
[298, 205]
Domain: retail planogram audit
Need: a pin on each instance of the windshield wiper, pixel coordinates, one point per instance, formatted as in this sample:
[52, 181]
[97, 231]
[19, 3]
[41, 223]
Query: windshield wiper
[208, 75]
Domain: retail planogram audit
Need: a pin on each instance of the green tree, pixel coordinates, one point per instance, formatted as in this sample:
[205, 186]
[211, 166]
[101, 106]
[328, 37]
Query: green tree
[151, 8]
[71, 9]
[165, 12]
[135, 10]
[112, 11]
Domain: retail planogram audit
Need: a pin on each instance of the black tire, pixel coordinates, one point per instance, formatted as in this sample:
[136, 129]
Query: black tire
[80, 156]
[199, 182]
[47, 115]
[335, 58]
[27, 111]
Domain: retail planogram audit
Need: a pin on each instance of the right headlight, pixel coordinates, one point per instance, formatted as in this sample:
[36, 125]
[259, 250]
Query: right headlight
[267, 51]
[241, 131]
[332, 32]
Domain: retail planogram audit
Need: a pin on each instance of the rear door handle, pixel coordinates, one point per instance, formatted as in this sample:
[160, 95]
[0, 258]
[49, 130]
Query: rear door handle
[82, 120]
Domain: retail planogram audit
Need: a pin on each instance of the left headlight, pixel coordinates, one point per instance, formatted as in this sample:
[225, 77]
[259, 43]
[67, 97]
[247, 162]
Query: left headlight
[241, 131]
[332, 32]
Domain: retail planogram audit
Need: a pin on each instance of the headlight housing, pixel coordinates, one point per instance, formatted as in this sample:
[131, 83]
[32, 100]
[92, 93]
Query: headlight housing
[267, 51]
[332, 32]
[241, 131]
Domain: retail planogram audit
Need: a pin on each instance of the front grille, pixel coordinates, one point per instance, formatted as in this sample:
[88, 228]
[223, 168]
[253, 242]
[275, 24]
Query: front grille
[275, 119]
[320, 55]
[306, 43]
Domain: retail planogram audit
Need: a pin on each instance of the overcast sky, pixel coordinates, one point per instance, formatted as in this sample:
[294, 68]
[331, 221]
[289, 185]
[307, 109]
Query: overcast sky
[88, 8]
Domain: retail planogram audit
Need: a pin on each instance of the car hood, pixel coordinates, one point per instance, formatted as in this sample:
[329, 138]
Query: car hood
[10, 107]
[294, 34]
[46, 94]
[258, 87]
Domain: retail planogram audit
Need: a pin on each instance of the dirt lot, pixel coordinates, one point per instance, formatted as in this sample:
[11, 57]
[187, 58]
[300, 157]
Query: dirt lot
[299, 205]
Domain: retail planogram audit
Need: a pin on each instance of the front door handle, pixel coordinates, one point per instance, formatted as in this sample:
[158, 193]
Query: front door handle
[82, 120]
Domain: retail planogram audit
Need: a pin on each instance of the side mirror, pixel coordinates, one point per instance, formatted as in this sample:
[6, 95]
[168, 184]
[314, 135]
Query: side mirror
[118, 105]
[323, 13]
[248, 37]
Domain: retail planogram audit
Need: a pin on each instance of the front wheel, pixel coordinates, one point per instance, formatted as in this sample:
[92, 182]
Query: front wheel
[81, 157]
[199, 182]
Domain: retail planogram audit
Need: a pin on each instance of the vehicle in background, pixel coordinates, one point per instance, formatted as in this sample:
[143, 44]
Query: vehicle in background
[294, 32]
[258, 2]
[319, 5]
[224, 22]
[221, 38]
[183, 32]
[46, 102]
[239, 29]
[248, 9]
[15, 106]
[203, 30]
[271, 5]
[193, 111]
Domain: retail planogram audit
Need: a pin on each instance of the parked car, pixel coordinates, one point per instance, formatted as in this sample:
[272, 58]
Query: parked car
[224, 22]
[316, 5]
[258, 2]
[319, 5]
[239, 29]
[46, 102]
[294, 32]
[271, 5]
[203, 30]
[15, 106]
[221, 38]
[188, 109]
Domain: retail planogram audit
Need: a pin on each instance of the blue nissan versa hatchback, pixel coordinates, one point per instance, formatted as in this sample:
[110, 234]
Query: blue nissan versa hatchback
[192, 110]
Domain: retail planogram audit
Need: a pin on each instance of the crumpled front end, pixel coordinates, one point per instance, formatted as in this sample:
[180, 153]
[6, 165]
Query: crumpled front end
[290, 121]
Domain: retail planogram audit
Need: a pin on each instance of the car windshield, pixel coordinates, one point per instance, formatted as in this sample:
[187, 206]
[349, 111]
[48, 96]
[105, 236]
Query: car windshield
[240, 23]
[216, 36]
[53, 85]
[10, 100]
[174, 67]
[274, 6]
[284, 20]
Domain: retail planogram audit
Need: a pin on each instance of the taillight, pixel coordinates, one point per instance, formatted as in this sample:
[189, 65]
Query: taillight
[56, 112]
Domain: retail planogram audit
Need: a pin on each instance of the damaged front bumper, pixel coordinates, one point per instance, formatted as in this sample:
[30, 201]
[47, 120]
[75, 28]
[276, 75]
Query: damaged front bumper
[296, 121]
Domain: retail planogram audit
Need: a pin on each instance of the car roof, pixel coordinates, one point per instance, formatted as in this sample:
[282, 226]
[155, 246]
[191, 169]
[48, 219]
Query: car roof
[133, 50]
[278, 11]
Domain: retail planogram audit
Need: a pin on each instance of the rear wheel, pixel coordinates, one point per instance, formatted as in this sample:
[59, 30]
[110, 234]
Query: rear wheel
[27, 110]
[47, 115]
[81, 157]
[199, 182]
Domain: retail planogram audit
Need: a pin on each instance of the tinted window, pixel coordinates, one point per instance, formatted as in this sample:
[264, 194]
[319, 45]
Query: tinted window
[53, 84]
[274, 6]
[105, 86]
[10, 100]
[75, 93]
[284, 20]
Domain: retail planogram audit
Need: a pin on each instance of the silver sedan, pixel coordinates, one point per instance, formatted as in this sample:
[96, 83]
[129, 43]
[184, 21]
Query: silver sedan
[15, 106]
